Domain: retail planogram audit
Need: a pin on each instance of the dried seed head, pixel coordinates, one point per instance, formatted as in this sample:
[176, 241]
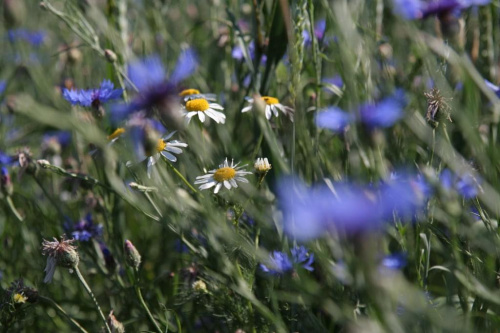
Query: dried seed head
[437, 108]
[59, 253]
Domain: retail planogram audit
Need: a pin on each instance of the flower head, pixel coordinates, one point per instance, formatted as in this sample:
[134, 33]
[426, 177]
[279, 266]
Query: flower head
[59, 253]
[419, 9]
[227, 175]
[272, 105]
[85, 229]
[35, 38]
[93, 97]
[465, 184]
[154, 90]
[262, 165]
[165, 148]
[280, 262]
[201, 107]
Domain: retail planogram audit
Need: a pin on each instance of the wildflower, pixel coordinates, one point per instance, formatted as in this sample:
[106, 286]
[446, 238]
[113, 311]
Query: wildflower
[373, 115]
[319, 32]
[109, 260]
[394, 261]
[190, 93]
[420, 9]
[93, 97]
[35, 38]
[6, 186]
[166, 148]
[85, 229]
[466, 184]
[226, 175]
[60, 253]
[272, 106]
[437, 108]
[132, 256]
[280, 263]
[19, 298]
[116, 134]
[3, 85]
[238, 53]
[114, 324]
[199, 285]
[154, 90]
[201, 107]
[262, 165]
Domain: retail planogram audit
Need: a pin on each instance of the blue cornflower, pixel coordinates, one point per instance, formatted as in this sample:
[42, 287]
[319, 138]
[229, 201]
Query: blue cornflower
[466, 185]
[351, 208]
[3, 85]
[238, 53]
[85, 229]
[394, 261]
[154, 90]
[373, 115]
[319, 32]
[6, 159]
[280, 263]
[418, 9]
[332, 84]
[93, 97]
[35, 38]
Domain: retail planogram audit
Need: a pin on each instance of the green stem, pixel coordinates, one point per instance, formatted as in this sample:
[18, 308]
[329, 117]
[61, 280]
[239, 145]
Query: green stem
[64, 313]
[91, 294]
[153, 204]
[144, 305]
[180, 175]
[13, 208]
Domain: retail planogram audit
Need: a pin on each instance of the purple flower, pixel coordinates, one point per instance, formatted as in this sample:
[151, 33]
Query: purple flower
[93, 97]
[149, 77]
[418, 9]
[334, 119]
[238, 53]
[373, 115]
[319, 32]
[466, 185]
[280, 263]
[35, 38]
[347, 207]
[3, 85]
[85, 229]
[394, 261]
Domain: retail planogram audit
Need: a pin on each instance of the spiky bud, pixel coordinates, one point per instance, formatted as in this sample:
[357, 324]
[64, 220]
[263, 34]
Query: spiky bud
[132, 256]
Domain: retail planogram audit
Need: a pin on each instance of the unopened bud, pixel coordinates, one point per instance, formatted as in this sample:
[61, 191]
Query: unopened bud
[262, 165]
[200, 286]
[114, 324]
[5, 182]
[110, 55]
[132, 256]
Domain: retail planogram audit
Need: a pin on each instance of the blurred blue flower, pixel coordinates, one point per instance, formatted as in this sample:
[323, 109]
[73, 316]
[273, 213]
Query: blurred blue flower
[280, 263]
[394, 261]
[319, 32]
[418, 9]
[85, 229]
[6, 159]
[238, 53]
[93, 97]
[346, 207]
[466, 185]
[334, 119]
[35, 38]
[3, 85]
[62, 137]
[373, 115]
[149, 77]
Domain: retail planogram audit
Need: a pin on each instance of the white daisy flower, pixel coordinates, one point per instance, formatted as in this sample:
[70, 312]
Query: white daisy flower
[201, 107]
[272, 106]
[226, 175]
[165, 148]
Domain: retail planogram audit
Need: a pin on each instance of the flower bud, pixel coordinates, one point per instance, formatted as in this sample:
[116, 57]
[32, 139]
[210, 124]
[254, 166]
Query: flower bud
[114, 324]
[200, 286]
[132, 256]
[5, 183]
[262, 165]
[110, 56]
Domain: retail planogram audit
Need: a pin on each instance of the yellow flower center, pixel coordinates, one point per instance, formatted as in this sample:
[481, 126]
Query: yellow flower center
[223, 174]
[270, 100]
[160, 145]
[198, 104]
[187, 92]
[119, 131]
[19, 298]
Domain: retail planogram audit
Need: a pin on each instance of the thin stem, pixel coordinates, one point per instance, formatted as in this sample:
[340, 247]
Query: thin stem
[52, 201]
[180, 175]
[143, 303]
[64, 313]
[13, 208]
[153, 204]
[91, 294]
